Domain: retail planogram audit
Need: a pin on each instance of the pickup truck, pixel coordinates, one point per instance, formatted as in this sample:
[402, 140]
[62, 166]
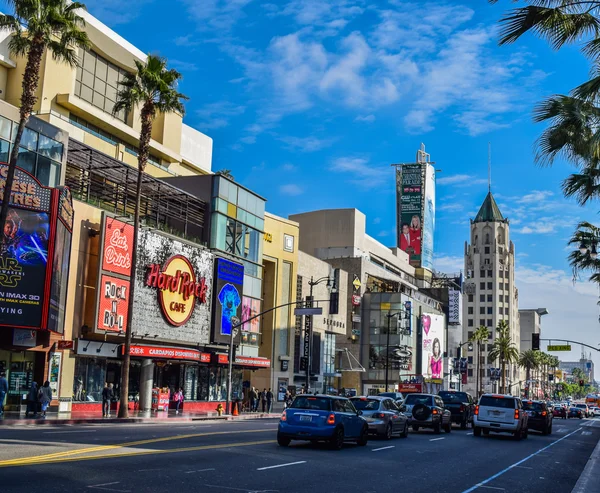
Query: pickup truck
[461, 405]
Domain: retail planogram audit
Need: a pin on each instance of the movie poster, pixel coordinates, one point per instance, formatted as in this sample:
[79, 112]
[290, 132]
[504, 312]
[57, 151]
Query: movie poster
[433, 344]
[23, 261]
[60, 271]
[228, 289]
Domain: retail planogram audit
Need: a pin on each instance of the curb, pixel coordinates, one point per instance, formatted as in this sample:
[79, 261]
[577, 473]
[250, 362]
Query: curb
[590, 477]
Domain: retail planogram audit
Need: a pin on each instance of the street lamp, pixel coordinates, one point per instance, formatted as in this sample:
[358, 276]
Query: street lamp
[592, 250]
[309, 322]
[235, 322]
[387, 345]
[469, 345]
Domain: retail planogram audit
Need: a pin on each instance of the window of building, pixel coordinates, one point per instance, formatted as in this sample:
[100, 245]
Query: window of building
[490, 273]
[481, 285]
[506, 286]
[482, 298]
[490, 285]
[489, 310]
[486, 261]
[506, 310]
[470, 359]
[487, 240]
[97, 82]
[506, 298]
[501, 274]
[500, 298]
[482, 321]
[481, 273]
[487, 249]
[500, 310]
[470, 322]
[489, 347]
[470, 310]
[489, 298]
[490, 335]
[482, 310]
[470, 298]
[500, 286]
[490, 322]
[500, 250]
[470, 372]
[470, 335]
[329, 353]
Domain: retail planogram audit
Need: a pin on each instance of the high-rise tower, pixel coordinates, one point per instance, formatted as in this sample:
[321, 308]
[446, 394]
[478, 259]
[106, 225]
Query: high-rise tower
[490, 294]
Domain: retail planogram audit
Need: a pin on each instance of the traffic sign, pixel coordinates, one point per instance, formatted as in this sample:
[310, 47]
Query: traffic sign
[560, 347]
[356, 283]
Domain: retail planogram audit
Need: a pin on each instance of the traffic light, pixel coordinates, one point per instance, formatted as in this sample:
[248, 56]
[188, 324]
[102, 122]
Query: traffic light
[581, 382]
[535, 342]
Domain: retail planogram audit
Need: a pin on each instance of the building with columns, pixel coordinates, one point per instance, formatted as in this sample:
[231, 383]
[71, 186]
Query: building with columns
[490, 293]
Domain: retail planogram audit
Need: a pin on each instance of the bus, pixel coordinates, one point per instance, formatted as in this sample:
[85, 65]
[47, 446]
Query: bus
[592, 400]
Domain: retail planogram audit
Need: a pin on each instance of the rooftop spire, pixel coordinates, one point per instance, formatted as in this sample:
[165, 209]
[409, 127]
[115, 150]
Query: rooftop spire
[489, 167]
[489, 211]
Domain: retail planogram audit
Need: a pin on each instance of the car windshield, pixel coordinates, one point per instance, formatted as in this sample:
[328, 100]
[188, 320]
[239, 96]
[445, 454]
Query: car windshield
[393, 395]
[582, 406]
[316, 403]
[532, 406]
[497, 401]
[454, 397]
[413, 399]
[366, 404]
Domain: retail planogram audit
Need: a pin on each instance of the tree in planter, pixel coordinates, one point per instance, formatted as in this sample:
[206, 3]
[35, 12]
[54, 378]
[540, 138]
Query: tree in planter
[504, 350]
[153, 89]
[37, 26]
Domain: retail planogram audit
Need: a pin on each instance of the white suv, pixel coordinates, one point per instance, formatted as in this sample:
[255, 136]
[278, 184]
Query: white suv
[501, 414]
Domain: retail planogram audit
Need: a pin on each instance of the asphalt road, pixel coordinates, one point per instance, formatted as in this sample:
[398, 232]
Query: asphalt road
[243, 456]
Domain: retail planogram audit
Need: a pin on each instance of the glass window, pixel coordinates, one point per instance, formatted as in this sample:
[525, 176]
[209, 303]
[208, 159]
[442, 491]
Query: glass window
[482, 273]
[482, 310]
[487, 249]
[481, 285]
[223, 188]
[470, 323]
[470, 298]
[489, 298]
[90, 375]
[470, 372]
[242, 199]
[44, 170]
[26, 160]
[482, 298]
[470, 310]
[490, 323]
[489, 310]
[490, 285]
[4, 151]
[469, 335]
[481, 321]
[220, 205]
[86, 94]
[29, 139]
[260, 208]
[218, 232]
[5, 128]
[50, 148]
[232, 193]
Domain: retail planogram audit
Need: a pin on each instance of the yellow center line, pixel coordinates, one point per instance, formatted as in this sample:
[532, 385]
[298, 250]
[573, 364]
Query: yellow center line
[99, 448]
[135, 453]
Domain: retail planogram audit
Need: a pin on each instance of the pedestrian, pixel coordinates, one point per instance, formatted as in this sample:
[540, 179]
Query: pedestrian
[178, 398]
[263, 399]
[286, 399]
[107, 397]
[269, 401]
[253, 400]
[3, 391]
[32, 400]
[45, 397]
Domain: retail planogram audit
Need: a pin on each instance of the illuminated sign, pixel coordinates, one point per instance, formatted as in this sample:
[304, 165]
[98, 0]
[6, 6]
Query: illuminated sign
[113, 304]
[118, 242]
[560, 347]
[166, 352]
[228, 289]
[177, 287]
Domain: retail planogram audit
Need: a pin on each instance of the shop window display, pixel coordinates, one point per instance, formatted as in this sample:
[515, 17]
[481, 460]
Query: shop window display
[90, 375]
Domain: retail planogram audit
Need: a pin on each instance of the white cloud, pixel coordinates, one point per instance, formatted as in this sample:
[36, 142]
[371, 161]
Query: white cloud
[537, 229]
[377, 220]
[217, 15]
[217, 115]
[450, 207]
[186, 40]
[365, 118]
[105, 10]
[291, 189]
[448, 264]
[535, 196]
[307, 144]
[359, 171]
[289, 167]
[183, 66]
[460, 180]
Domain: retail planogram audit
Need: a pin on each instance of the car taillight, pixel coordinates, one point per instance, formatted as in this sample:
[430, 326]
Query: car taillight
[379, 415]
[477, 410]
[462, 408]
[435, 411]
[544, 413]
[284, 416]
[516, 414]
[331, 419]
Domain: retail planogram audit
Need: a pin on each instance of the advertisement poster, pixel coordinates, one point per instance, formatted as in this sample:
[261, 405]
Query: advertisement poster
[23, 261]
[428, 218]
[250, 308]
[409, 185]
[60, 271]
[432, 346]
[117, 245]
[113, 304]
[229, 282]
[54, 373]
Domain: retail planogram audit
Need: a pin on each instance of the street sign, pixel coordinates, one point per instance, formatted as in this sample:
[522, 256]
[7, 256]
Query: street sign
[355, 300]
[561, 347]
[298, 312]
[356, 283]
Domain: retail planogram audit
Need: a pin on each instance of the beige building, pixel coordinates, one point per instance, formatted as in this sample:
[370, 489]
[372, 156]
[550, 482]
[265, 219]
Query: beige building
[531, 323]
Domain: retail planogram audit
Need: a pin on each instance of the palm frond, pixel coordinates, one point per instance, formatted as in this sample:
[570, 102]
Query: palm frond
[582, 186]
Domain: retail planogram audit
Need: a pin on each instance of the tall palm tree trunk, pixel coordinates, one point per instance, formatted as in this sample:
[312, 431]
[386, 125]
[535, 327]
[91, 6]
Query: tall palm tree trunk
[31, 78]
[528, 378]
[503, 376]
[145, 135]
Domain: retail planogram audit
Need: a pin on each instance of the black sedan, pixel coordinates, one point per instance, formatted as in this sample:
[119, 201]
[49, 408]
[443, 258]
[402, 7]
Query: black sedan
[575, 412]
[539, 416]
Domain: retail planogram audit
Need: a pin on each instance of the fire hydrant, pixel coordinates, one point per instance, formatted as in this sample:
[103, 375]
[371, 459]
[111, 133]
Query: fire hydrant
[219, 409]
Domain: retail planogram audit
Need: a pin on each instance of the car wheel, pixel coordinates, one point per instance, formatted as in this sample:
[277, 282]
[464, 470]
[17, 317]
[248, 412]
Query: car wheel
[283, 441]
[415, 428]
[517, 435]
[525, 433]
[337, 440]
[405, 432]
[436, 428]
[364, 437]
[486, 432]
[477, 431]
[545, 430]
[448, 427]
[388, 432]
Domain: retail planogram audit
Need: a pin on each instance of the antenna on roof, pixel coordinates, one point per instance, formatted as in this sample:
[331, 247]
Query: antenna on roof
[489, 167]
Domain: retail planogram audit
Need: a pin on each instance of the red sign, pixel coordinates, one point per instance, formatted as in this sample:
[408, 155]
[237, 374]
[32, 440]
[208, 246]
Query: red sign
[118, 243]
[178, 289]
[65, 345]
[355, 300]
[166, 352]
[113, 305]
[409, 388]
[245, 361]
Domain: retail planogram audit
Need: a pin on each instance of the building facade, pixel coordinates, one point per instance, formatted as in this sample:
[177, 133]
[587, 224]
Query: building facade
[584, 364]
[530, 321]
[490, 293]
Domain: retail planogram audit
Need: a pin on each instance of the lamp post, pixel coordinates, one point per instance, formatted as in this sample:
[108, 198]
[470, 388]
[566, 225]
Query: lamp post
[459, 356]
[235, 322]
[387, 345]
[309, 323]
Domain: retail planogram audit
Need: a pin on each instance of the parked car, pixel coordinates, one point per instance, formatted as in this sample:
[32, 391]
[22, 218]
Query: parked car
[500, 414]
[396, 396]
[383, 416]
[585, 409]
[539, 416]
[575, 412]
[427, 411]
[322, 418]
[461, 405]
[595, 411]
[559, 412]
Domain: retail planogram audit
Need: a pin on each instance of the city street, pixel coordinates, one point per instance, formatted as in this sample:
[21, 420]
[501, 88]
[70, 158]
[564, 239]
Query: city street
[243, 456]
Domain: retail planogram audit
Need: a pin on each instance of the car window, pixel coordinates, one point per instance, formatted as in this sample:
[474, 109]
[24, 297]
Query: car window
[533, 406]
[439, 402]
[316, 403]
[394, 406]
[497, 401]
[454, 397]
[349, 407]
[337, 406]
[366, 404]
[413, 399]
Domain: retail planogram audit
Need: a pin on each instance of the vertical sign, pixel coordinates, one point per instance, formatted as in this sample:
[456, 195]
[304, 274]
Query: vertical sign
[432, 346]
[113, 304]
[117, 244]
[454, 307]
[307, 340]
[428, 218]
[409, 186]
[229, 282]
[54, 373]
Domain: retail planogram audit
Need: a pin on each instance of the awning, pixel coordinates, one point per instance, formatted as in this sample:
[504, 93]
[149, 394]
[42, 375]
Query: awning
[167, 352]
[247, 361]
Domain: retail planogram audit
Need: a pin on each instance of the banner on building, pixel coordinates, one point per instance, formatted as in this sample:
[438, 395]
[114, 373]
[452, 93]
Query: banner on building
[227, 294]
[113, 304]
[432, 347]
[428, 218]
[250, 308]
[454, 307]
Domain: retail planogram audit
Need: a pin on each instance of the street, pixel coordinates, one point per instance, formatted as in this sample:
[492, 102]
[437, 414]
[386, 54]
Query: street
[243, 456]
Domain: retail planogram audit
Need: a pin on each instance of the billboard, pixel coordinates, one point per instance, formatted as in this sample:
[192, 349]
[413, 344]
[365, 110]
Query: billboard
[117, 243]
[113, 304]
[454, 307]
[428, 218]
[432, 346]
[250, 308]
[228, 288]
[409, 185]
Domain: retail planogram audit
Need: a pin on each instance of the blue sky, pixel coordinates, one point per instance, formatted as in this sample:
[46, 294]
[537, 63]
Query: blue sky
[308, 103]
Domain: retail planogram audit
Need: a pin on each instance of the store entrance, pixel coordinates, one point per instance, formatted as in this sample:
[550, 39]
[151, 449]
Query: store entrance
[168, 375]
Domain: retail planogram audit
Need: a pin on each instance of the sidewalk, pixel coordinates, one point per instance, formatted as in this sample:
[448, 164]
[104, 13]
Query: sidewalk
[589, 481]
[14, 419]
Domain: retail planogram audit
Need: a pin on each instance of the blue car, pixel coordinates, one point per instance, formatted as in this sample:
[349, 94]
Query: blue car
[322, 418]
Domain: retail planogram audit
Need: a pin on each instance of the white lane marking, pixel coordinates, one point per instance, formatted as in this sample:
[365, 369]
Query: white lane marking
[470, 433]
[200, 470]
[382, 448]
[145, 470]
[281, 465]
[74, 431]
[586, 432]
[524, 467]
[494, 488]
[102, 486]
[498, 474]
[435, 439]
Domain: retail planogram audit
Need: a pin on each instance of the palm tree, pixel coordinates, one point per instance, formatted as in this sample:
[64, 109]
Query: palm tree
[37, 26]
[582, 260]
[153, 89]
[528, 360]
[504, 349]
[480, 336]
[554, 364]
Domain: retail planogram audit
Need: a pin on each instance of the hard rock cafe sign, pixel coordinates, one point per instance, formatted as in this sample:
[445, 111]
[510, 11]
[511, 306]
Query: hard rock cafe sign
[178, 288]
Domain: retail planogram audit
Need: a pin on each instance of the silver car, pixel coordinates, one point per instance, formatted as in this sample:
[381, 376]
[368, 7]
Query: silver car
[384, 417]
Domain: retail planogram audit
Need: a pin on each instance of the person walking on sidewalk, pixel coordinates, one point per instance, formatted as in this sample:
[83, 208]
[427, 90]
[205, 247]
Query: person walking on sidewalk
[253, 399]
[178, 398]
[269, 401]
[3, 391]
[263, 399]
[45, 397]
[107, 397]
[32, 400]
